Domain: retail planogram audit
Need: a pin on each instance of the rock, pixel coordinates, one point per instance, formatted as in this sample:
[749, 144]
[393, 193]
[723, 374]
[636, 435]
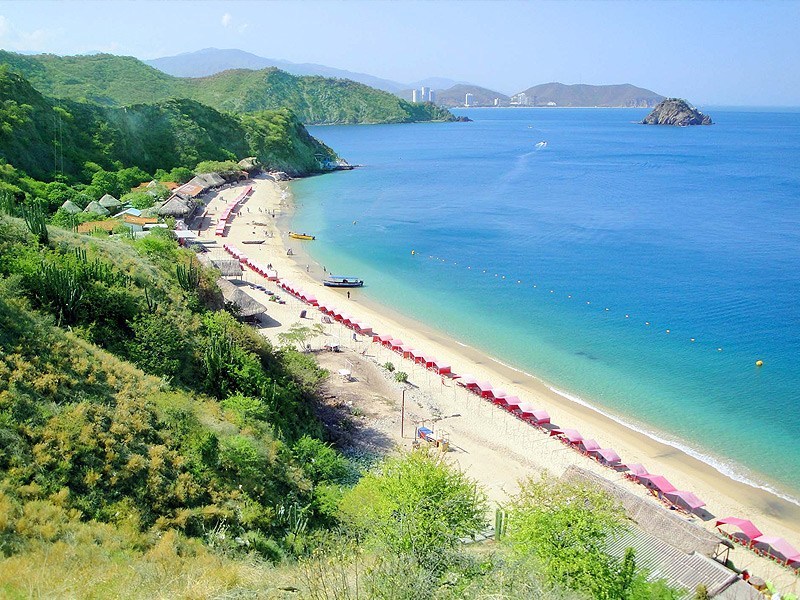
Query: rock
[674, 111]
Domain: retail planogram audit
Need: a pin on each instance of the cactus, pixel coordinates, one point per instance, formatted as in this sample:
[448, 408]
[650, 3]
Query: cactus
[36, 221]
[62, 288]
[149, 299]
[216, 359]
[500, 523]
[7, 204]
[188, 277]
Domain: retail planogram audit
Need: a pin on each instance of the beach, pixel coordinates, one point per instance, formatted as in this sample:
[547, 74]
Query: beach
[490, 445]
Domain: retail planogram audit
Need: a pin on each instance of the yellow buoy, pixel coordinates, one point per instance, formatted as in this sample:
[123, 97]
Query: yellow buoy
[413, 252]
[759, 363]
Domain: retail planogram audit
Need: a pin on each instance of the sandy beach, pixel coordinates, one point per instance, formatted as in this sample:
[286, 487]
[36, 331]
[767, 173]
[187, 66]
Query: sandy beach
[488, 444]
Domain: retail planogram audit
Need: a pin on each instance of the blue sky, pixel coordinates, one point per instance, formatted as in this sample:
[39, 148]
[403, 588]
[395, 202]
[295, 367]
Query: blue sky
[721, 53]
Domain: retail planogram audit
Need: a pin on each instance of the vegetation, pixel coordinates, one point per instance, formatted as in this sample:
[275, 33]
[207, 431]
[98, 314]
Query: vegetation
[111, 150]
[110, 80]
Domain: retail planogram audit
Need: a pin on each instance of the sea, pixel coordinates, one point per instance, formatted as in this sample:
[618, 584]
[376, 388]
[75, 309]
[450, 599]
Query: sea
[640, 270]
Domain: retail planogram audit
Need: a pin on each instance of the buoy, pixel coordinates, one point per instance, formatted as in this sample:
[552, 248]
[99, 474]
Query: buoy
[691, 340]
[719, 349]
[647, 322]
[627, 316]
[667, 330]
[759, 363]
[413, 252]
[569, 295]
[607, 309]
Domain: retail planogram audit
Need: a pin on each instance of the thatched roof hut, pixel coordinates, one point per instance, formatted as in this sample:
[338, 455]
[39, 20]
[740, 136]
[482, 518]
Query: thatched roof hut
[176, 207]
[108, 201]
[247, 306]
[70, 207]
[228, 267]
[96, 208]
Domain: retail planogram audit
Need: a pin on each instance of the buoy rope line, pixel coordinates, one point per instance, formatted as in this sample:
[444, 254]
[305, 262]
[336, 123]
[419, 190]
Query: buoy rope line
[499, 277]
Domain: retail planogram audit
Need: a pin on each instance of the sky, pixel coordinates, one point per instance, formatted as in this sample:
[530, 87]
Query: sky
[711, 53]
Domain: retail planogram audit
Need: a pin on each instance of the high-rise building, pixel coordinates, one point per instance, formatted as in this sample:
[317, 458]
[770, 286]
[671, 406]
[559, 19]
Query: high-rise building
[497, 101]
[431, 96]
[414, 96]
[468, 99]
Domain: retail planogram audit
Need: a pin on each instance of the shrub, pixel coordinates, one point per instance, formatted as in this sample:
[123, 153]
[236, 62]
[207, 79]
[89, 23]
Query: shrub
[401, 377]
[389, 367]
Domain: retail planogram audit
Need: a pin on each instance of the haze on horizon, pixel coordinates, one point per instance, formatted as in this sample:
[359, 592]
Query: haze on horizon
[711, 53]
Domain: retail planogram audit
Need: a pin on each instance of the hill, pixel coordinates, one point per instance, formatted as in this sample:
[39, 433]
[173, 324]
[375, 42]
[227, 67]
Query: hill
[455, 96]
[122, 80]
[558, 94]
[42, 136]
[210, 61]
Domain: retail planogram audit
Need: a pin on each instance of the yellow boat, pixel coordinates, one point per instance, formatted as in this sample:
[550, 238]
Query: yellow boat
[301, 236]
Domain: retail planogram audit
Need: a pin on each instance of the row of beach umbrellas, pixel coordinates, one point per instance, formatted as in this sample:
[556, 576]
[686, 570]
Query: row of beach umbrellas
[256, 266]
[228, 210]
[750, 536]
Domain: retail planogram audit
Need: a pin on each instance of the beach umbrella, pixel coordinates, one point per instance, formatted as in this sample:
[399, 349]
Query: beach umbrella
[396, 345]
[510, 403]
[747, 530]
[657, 483]
[588, 446]
[637, 469]
[685, 500]
[385, 340]
[467, 381]
[573, 436]
[526, 410]
[442, 368]
[485, 388]
[777, 547]
[608, 457]
[540, 417]
[497, 395]
[407, 351]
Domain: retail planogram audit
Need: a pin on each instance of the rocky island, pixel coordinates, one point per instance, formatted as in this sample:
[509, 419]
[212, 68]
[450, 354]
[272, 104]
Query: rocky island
[675, 111]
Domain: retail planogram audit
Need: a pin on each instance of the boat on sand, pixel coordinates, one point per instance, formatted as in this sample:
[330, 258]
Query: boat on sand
[340, 281]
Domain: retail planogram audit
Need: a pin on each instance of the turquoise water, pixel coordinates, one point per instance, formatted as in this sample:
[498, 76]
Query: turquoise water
[555, 259]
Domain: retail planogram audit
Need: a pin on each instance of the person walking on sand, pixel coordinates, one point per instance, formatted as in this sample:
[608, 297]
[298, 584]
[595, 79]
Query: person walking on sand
[348, 295]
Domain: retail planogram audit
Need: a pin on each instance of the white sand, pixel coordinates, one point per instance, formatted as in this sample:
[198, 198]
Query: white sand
[491, 446]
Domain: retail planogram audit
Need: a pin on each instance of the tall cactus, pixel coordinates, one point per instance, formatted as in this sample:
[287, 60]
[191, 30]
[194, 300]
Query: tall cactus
[188, 277]
[36, 221]
[61, 288]
[6, 203]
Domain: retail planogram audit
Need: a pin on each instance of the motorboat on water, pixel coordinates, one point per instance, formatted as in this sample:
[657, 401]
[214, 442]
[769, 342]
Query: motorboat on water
[542, 144]
[340, 281]
[301, 236]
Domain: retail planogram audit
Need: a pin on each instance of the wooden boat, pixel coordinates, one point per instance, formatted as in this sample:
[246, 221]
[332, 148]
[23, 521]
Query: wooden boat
[301, 236]
[346, 282]
[253, 241]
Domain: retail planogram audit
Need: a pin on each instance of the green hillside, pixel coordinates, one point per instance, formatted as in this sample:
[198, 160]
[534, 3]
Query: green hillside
[121, 81]
[153, 446]
[45, 137]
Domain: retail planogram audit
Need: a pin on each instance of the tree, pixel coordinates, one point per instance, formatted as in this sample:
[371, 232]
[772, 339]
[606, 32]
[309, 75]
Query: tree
[299, 334]
[416, 505]
[564, 527]
[104, 182]
[140, 200]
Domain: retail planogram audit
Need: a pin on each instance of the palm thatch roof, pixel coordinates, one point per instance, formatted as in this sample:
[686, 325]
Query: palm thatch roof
[247, 306]
[228, 267]
[70, 207]
[176, 207]
[97, 208]
[108, 201]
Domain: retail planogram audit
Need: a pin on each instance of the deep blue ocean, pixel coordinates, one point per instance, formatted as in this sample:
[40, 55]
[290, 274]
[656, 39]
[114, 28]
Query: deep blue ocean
[643, 270]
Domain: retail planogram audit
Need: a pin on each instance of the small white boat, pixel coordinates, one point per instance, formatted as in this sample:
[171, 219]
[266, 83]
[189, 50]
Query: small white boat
[541, 144]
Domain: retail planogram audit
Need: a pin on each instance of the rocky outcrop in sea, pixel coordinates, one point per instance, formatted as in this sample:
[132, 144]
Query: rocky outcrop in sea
[675, 111]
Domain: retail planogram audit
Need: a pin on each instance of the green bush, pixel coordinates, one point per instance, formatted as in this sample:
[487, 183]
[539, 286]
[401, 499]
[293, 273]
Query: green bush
[389, 366]
[401, 377]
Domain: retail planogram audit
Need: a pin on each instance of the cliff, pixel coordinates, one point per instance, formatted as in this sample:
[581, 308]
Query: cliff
[675, 111]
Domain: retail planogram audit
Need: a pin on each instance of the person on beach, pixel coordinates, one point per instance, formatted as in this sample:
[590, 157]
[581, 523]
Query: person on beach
[348, 295]
[307, 267]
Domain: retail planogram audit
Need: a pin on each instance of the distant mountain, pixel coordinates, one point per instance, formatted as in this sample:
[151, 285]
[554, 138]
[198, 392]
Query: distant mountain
[123, 80]
[558, 94]
[456, 96]
[211, 61]
[437, 83]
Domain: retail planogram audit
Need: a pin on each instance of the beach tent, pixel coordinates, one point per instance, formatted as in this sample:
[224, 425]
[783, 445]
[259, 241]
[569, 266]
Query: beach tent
[686, 500]
[508, 402]
[777, 548]
[637, 469]
[607, 456]
[363, 328]
[467, 381]
[396, 345]
[747, 531]
[497, 395]
[442, 368]
[386, 340]
[423, 360]
[526, 410]
[407, 351]
[540, 417]
[484, 388]
[657, 483]
[573, 436]
[588, 446]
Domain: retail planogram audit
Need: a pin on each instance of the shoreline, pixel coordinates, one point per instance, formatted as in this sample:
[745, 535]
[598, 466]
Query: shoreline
[520, 449]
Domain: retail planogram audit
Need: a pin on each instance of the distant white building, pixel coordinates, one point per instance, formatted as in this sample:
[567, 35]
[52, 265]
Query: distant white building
[431, 96]
[469, 99]
[414, 96]
[520, 99]
[423, 94]
[497, 101]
